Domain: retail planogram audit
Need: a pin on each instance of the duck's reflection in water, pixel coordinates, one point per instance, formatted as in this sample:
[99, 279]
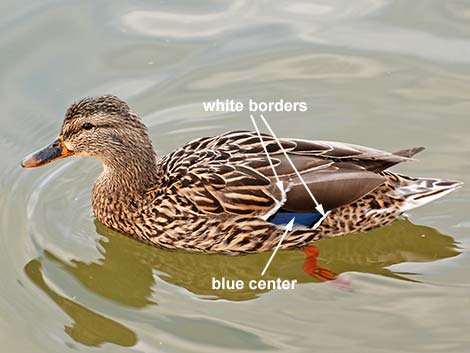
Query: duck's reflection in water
[126, 273]
[89, 328]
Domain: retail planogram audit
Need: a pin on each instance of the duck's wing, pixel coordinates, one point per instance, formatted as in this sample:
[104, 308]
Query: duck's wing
[231, 173]
[352, 172]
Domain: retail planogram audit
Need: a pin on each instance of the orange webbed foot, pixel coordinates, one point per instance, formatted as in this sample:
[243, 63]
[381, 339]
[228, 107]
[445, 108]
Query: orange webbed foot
[323, 274]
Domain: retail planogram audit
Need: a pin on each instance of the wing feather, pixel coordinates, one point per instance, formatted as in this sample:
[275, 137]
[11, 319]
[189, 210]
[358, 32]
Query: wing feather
[230, 173]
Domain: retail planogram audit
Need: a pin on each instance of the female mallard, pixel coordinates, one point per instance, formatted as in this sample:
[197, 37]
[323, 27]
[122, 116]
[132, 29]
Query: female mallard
[219, 194]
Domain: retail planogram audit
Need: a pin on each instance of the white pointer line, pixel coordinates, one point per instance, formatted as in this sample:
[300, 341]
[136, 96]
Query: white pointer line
[318, 207]
[289, 227]
[316, 225]
[279, 183]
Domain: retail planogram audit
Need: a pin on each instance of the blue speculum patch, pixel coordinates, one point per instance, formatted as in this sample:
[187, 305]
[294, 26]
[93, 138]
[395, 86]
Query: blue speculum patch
[306, 219]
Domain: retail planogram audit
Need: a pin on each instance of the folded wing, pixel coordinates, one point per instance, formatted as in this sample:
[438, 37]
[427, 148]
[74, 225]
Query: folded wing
[231, 174]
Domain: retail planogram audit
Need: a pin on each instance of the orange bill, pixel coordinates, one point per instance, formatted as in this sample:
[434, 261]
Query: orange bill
[55, 151]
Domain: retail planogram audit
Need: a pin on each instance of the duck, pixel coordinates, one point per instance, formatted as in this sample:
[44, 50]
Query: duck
[237, 192]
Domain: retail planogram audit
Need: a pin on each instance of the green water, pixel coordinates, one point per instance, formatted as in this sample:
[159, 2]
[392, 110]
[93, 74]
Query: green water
[387, 74]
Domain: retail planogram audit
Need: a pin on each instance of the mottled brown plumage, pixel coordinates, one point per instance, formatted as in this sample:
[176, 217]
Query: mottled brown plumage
[216, 194]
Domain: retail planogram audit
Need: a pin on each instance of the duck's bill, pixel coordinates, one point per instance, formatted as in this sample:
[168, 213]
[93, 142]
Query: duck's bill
[55, 151]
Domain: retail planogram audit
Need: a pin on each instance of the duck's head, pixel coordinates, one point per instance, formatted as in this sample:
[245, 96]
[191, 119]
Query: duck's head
[102, 127]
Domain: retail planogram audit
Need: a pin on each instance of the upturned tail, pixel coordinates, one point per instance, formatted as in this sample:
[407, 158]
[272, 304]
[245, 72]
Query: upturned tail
[415, 192]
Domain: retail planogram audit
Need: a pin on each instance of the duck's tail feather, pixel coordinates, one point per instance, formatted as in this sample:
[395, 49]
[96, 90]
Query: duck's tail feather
[416, 192]
[409, 152]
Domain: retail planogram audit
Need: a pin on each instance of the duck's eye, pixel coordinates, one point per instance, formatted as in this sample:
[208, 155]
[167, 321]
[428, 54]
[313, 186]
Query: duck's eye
[88, 126]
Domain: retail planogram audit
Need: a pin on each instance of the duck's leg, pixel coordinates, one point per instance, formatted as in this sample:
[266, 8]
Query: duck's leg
[322, 274]
[311, 266]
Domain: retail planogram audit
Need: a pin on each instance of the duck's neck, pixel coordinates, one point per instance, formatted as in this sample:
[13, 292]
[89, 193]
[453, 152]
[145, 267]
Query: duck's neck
[133, 172]
[121, 187]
